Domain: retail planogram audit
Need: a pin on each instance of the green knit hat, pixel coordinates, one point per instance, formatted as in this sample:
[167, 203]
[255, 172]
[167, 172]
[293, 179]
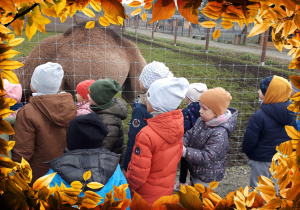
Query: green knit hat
[102, 92]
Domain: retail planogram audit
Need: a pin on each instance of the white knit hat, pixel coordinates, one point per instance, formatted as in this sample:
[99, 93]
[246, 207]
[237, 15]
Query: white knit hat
[46, 78]
[166, 94]
[195, 91]
[154, 71]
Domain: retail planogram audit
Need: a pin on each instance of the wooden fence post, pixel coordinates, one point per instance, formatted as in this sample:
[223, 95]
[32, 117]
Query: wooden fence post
[245, 35]
[176, 28]
[152, 31]
[264, 48]
[207, 39]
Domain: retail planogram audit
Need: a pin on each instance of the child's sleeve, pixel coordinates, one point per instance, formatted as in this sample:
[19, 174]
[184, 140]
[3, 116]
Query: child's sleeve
[139, 167]
[214, 149]
[251, 136]
[24, 137]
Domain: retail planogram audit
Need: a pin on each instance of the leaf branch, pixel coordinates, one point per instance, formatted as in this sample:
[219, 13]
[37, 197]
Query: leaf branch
[22, 13]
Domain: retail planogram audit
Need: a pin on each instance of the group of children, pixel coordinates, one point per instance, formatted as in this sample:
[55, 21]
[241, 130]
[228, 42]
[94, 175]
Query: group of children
[55, 136]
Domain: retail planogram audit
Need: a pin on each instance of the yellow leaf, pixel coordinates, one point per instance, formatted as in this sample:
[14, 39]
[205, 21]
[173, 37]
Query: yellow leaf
[11, 144]
[134, 4]
[4, 29]
[5, 113]
[10, 65]
[214, 197]
[144, 16]
[209, 24]
[136, 12]
[87, 175]
[286, 28]
[208, 203]
[43, 181]
[159, 11]
[148, 6]
[76, 185]
[273, 204]
[69, 199]
[241, 23]
[250, 199]
[11, 37]
[90, 24]
[88, 203]
[111, 20]
[103, 21]
[30, 31]
[296, 82]
[10, 76]
[92, 195]
[8, 54]
[95, 5]
[94, 185]
[200, 188]
[213, 185]
[258, 29]
[227, 24]
[16, 42]
[88, 12]
[240, 205]
[72, 10]
[120, 20]
[5, 127]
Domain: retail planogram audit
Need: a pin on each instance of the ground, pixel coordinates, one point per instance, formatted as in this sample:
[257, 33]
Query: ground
[235, 177]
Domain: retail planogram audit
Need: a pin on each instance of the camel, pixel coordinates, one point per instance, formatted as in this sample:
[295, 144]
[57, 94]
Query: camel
[88, 54]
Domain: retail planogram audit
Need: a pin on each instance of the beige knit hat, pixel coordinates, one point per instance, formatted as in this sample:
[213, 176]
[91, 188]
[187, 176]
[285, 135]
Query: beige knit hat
[195, 91]
[217, 99]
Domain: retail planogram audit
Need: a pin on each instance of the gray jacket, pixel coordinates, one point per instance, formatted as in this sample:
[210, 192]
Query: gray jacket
[207, 146]
[112, 117]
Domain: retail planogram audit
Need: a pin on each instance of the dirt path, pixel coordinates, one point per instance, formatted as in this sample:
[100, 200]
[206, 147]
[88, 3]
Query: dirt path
[272, 52]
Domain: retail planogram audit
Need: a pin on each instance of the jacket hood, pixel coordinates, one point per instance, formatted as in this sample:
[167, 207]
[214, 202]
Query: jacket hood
[73, 164]
[168, 125]
[119, 109]
[58, 109]
[230, 125]
[279, 112]
[143, 99]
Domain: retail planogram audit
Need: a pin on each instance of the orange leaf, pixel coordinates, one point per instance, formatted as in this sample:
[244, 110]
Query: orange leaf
[209, 24]
[213, 185]
[186, 12]
[290, 5]
[159, 12]
[295, 80]
[43, 181]
[200, 188]
[166, 199]
[113, 8]
[138, 203]
[291, 131]
[144, 16]
[103, 21]
[148, 5]
[18, 25]
[227, 24]
[273, 204]
[5, 127]
[215, 6]
[240, 205]
[293, 192]
[134, 4]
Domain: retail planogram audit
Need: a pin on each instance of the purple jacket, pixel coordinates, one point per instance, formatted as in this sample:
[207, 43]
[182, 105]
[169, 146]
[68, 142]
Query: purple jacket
[207, 146]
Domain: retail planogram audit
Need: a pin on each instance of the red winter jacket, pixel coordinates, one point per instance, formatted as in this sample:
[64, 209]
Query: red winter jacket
[156, 153]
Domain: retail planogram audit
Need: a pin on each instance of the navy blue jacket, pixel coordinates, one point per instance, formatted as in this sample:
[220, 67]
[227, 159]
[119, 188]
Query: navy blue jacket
[137, 122]
[265, 130]
[190, 115]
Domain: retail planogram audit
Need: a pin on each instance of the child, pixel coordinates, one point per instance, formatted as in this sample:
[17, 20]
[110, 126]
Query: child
[84, 152]
[206, 144]
[41, 125]
[190, 115]
[265, 129]
[13, 91]
[83, 104]
[158, 146]
[151, 72]
[110, 110]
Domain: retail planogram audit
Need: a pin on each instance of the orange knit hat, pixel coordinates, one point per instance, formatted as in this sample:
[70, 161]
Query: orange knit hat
[217, 99]
[82, 88]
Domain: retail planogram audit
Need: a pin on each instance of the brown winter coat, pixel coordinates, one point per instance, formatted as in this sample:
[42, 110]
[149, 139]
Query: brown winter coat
[40, 130]
[112, 117]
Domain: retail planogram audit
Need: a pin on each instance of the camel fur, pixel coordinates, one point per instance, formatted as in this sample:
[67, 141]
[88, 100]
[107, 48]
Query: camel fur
[88, 54]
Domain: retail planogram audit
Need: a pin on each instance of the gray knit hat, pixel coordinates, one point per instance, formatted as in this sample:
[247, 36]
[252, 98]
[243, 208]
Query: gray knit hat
[154, 71]
[166, 94]
[46, 78]
[195, 91]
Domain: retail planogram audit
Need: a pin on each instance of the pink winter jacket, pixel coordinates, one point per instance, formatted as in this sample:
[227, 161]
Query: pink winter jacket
[83, 108]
